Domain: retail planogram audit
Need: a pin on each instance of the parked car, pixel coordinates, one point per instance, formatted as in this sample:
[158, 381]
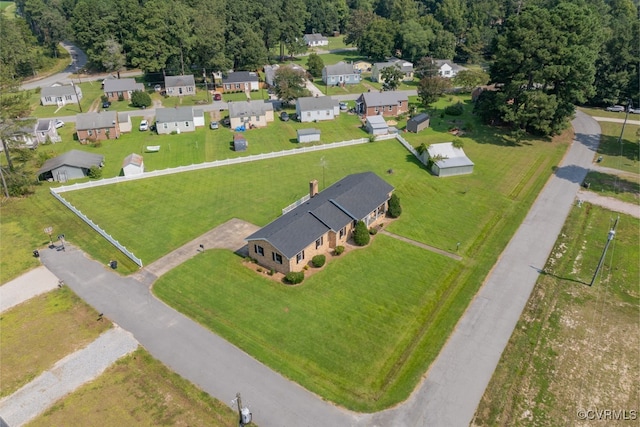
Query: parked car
[214, 125]
[157, 88]
[106, 104]
[284, 116]
[59, 124]
[217, 96]
[634, 110]
[144, 125]
[616, 108]
[343, 106]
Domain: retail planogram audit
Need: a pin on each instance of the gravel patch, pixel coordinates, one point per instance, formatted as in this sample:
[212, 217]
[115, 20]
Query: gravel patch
[66, 375]
[35, 282]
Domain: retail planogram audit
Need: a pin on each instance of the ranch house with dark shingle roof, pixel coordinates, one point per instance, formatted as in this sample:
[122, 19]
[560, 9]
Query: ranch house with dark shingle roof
[321, 223]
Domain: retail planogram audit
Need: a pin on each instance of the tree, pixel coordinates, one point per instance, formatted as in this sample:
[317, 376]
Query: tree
[378, 40]
[391, 77]
[357, 25]
[432, 88]
[289, 84]
[140, 99]
[315, 64]
[426, 67]
[361, 234]
[113, 60]
[395, 210]
[415, 40]
[469, 79]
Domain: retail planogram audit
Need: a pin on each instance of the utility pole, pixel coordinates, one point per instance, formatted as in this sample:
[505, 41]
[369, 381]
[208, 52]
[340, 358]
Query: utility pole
[244, 415]
[610, 236]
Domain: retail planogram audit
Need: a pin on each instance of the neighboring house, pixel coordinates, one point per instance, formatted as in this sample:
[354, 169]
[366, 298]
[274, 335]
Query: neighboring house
[180, 85]
[447, 160]
[60, 95]
[308, 135]
[241, 81]
[417, 123]
[270, 72]
[73, 164]
[124, 122]
[447, 68]
[97, 126]
[24, 137]
[340, 74]
[115, 89]
[133, 164]
[405, 67]
[321, 223]
[362, 66]
[391, 103]
[250, 114]
[178, 119]
[312, 108]
[376, 125]
[315, 40]
[240, 142]
[46, 131]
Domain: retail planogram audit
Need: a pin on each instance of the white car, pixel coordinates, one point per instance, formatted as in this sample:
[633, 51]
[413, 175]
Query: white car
[144, 125]
[59, 124]
[634, 110]
[616, 108]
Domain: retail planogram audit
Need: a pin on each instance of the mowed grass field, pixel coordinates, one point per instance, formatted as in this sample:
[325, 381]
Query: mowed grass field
[575, 348]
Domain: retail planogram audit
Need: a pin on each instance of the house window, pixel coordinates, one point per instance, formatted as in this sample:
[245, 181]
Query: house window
[390, 107]
[68, 97]
[190, 89]
[164, 125]
[48, 98]
[319, 242]
[98, 131]
[276, 257]
[90, 132]
[376, 109]
[227, 86]
[308, 113]
[237, 85]
[258, 249]
[299, 257]
[343, 231]
[328, 113]
[186, 124]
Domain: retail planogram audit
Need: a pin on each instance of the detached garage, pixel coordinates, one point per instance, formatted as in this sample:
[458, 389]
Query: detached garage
[376, 125]
[133, 164]
[418, 123]
[73, 164]
[308, 135]
[447, 160]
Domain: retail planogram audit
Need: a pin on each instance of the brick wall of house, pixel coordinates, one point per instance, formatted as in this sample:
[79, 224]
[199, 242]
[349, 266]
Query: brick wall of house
[98, 134]
[394, 111]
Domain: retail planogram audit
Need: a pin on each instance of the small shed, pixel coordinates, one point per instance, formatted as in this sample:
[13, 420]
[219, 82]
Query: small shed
[239, 142]
[418, 123]
[308, 135]
[448, 160]
[376, 125]
[133, 164]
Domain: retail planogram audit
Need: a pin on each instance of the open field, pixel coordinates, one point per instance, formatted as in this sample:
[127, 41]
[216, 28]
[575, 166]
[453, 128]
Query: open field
[41, 331]
[619, 154]
[138, 390]
[623, 187]
[575, 347]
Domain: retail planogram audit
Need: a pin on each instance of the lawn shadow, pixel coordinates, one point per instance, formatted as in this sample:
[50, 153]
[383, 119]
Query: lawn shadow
[571, 173]
[542, 272]
[606, 182]
[610, 146]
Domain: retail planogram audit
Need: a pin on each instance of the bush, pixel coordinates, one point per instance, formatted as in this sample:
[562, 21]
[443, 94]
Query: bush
[373, 231]
[361, 234]
[394, 206]
[272, 272]
[120, 97]
[95, 172]
[338, 250]
[294, 277]
[140, 99]
[455, 109]
[318, 261]
[97, 144]
[104, 98]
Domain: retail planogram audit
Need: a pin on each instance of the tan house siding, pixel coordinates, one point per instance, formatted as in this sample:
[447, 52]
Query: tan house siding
[255, 121]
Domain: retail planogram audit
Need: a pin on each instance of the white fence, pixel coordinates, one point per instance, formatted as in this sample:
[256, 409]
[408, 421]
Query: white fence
[95, 226]
[295, 204]
[207, 165]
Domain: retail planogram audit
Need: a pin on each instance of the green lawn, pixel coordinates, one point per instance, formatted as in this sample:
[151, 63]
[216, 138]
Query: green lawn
[332, 58]
[241, 96]
[622, 154]
[623, 187]
[91, 92]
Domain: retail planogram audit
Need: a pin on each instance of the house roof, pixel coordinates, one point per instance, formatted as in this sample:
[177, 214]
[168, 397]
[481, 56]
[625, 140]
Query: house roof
[75, 158]
[122, 85]
[422, 117]
[249, 108]
[133, 159]
[308, 131]
[239, 137]
[44, 125]
[320, 103]
[101, 120]
[404, 66]
[351, 198]
[377, 122]
[178, 81]
[451, 156]
[314, 38]
[339, 68]
[176, 114]
[58, 91]
[378, 99]
[240, 76]
[453, 65]
[123, 117]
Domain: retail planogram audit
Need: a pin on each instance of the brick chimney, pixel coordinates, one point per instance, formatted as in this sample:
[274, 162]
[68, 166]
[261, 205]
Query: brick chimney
[313, 188]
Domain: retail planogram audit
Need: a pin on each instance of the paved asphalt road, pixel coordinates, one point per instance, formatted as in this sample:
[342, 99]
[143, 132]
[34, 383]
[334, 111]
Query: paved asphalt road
[452, 389]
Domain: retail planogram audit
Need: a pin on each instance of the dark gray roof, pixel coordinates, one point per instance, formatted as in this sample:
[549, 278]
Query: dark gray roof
[339, 69]
[179, 81]
[176, 114]
[422, 117]
[101, 120]
[44, 125]
[308, 131]
[240, 76]
[351, 198]
[249, 108]
[122, 85]
[75, 158]
[313, 103]
[59, 91]
[378, 99]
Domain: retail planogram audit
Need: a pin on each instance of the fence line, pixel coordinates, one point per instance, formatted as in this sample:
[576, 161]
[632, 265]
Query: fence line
[217, 163]
[295, 204]
[97, 228]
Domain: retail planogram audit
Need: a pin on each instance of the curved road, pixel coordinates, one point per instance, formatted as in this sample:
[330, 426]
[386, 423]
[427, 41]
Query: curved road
[453, 386]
